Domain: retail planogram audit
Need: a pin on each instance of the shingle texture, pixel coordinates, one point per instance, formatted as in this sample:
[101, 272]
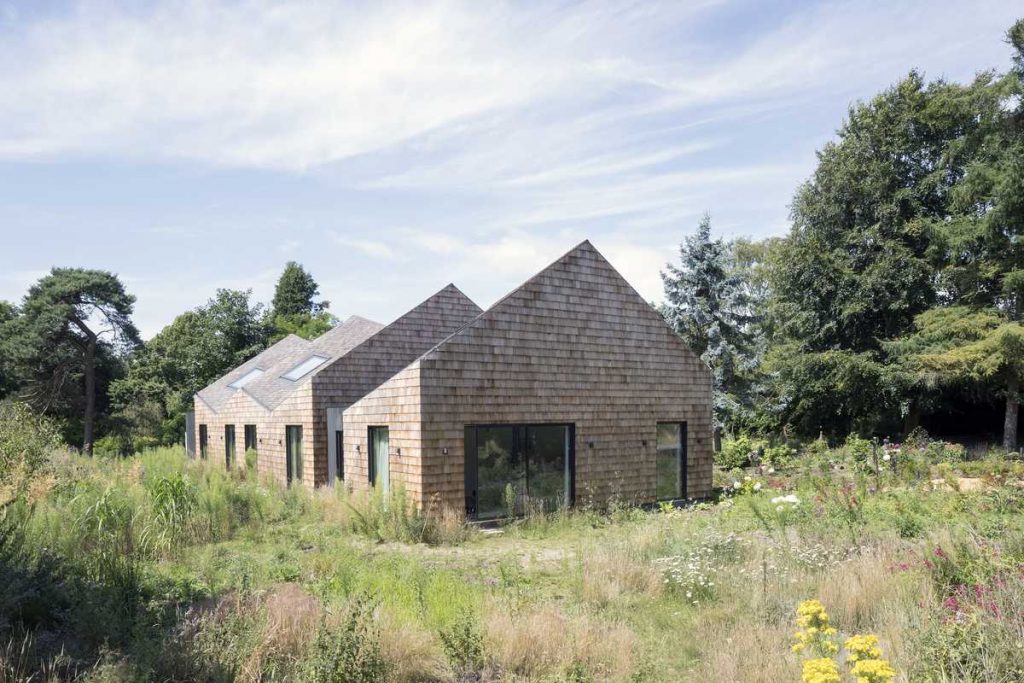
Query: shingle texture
[575, 344]
[363, 354]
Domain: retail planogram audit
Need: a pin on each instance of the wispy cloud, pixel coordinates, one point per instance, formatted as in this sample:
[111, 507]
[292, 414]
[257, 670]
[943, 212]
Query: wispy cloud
[493, 135]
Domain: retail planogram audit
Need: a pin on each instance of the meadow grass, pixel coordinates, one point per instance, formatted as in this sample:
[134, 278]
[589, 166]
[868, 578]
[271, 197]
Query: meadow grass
[156, 567]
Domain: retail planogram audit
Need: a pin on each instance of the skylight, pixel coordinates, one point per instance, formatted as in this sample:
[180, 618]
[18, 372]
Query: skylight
[304, 368]
[246, 378]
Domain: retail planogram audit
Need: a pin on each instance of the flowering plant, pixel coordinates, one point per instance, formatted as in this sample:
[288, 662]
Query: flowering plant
[815, 632]
[745, 487]
[822, 670]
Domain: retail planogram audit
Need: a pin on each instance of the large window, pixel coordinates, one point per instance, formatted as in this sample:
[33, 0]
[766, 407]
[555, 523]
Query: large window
[204, 441]
[229, 445]
[250, 437]
[293, 452]
[509, 467]
[671, 461]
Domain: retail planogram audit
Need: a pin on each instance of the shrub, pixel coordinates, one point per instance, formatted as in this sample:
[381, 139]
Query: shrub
[735, 452]
[463, 643]
[859, 451]
[351, 653]
[26, 441]
[779, 457]
[251, 462]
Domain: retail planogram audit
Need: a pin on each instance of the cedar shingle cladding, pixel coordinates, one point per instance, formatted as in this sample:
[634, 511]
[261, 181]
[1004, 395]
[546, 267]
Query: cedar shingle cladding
[354, 370]
[575, 344]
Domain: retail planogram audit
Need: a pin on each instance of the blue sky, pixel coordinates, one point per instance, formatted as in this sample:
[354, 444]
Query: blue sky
[395, 147]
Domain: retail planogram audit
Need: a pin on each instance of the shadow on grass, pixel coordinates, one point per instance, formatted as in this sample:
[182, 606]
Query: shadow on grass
[61, 618]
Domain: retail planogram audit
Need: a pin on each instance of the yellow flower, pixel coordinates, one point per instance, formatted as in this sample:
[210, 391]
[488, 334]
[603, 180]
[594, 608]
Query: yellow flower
[862, 647]
[873, 671]
[823, 670]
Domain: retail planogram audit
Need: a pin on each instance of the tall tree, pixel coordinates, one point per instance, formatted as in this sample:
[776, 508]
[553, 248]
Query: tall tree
[67, 320]
[707, 303]
[295, 292]
[959, 346]
[295, 309]
[871, 233]
[8, 312]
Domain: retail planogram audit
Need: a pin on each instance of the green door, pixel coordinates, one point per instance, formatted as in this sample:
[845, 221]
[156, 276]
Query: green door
[380, 466]
[293, 452]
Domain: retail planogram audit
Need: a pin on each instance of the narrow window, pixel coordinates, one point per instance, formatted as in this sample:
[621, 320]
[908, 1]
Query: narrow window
[203, 442]
[229, 445]
[293, 452]
[670, 481]
[250, 437]
[380, 464]
[339, 453]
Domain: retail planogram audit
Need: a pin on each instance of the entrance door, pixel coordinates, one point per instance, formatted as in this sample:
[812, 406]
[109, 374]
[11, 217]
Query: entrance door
[229, 445]
[511, 466]
[293, 452]
[380, 466]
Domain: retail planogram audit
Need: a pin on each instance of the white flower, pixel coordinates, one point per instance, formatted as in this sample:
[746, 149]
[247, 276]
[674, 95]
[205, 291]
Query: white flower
[757, 486]
[791, 499]
[736, 484]
[886, 457]
[771, 470]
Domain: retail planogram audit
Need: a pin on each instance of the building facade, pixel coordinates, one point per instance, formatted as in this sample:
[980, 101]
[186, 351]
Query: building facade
[570, 390]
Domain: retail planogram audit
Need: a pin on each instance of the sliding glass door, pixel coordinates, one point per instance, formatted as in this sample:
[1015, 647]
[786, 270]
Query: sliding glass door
[511, 466]
[293, 452]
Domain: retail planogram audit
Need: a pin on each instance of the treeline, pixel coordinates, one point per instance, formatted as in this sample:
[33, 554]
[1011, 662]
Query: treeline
[71, 351]
[895, 297]
[897, 293]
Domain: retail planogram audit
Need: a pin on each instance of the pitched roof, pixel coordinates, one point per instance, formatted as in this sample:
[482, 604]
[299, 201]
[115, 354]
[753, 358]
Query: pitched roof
[582, 251]
[269, 389]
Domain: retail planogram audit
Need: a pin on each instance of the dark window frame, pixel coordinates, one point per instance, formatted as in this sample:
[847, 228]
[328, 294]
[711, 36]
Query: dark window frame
[470, 471]
[204, 441]
[250, 443]
[294, 468]
[371, 467]
[230, 446]
[339, 454]
[682, 450]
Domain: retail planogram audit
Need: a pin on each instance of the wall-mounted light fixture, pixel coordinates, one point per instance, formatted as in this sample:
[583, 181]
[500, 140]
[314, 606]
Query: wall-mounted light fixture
[279, 442]
[444, 451]
[398, 451]
[357, 448]
[644, 443]
[590, 444]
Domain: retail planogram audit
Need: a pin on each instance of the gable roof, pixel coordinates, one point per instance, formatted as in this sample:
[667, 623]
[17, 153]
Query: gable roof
[567, 265]
[269, 389]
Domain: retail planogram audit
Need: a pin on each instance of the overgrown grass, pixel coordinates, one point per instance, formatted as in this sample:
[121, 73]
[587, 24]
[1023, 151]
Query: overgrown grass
[160, 568]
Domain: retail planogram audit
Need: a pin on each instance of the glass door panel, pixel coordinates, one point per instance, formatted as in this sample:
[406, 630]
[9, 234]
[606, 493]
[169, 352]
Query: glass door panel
[380, 466]
[671, 461]
[293, 453]
[501, 472]
[547, 457]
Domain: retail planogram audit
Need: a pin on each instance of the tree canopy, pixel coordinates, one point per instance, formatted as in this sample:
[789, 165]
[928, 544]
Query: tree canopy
[295, 309]
[68, 324]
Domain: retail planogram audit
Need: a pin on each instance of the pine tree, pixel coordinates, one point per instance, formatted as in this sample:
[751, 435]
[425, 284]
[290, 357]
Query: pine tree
[707, 303]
